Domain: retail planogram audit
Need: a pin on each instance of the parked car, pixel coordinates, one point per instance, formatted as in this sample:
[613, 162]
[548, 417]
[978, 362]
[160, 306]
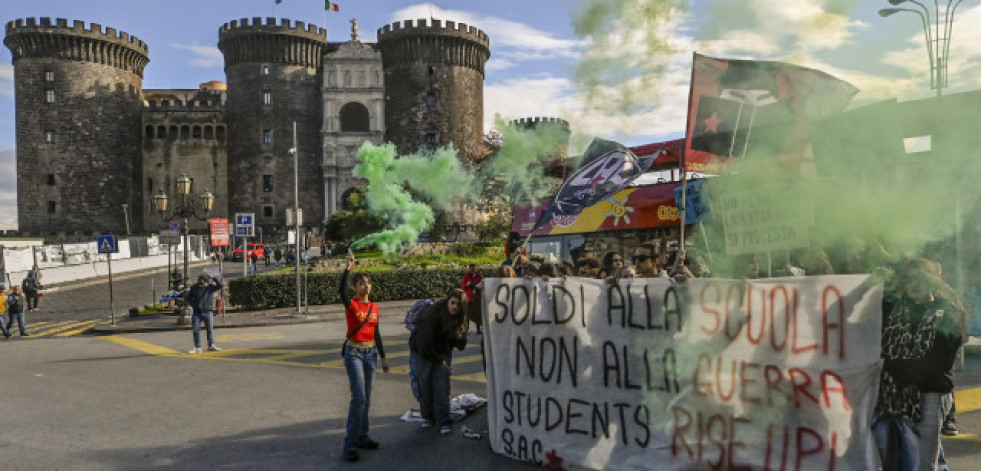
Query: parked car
[257, 249]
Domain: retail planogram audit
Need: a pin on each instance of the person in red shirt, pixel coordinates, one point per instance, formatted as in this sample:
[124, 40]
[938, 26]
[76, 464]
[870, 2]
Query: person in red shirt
[471, 286]
[361, 351]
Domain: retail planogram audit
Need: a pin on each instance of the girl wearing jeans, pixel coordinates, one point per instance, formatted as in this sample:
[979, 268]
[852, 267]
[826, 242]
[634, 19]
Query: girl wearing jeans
[361, 352]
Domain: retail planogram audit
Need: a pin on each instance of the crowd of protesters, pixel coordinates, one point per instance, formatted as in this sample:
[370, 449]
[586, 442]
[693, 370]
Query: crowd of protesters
[924, 325]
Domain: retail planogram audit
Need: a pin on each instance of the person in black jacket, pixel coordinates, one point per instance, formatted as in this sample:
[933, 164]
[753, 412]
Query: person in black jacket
[439, 330]
[199, 297]
[923, 329]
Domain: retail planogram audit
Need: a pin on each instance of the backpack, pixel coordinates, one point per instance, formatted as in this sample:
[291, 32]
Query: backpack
[415, 312]
[30, 284]
[13, 305]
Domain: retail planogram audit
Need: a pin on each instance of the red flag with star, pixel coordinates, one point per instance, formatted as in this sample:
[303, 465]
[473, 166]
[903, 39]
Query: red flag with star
[744, 108]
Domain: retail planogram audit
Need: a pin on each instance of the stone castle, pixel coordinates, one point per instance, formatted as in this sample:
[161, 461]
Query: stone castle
[94, 147]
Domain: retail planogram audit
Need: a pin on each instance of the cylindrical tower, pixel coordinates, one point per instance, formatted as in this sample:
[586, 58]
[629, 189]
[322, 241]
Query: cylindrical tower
[78, 102]
[274, 75]
[434, 79]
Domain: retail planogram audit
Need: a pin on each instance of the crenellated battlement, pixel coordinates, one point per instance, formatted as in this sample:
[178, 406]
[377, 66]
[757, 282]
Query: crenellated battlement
[77, 28]
[433, 26]
[433, 42]
[272, 25]
[269, 40]
[40, 37]
[533, 122]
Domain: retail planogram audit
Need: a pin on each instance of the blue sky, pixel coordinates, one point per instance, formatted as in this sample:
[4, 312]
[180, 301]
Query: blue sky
[535, 51]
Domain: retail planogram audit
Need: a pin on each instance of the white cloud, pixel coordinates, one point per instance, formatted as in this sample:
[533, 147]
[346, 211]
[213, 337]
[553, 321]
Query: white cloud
[202, 56]
[7, 79]
[8, 189]
[508, 38]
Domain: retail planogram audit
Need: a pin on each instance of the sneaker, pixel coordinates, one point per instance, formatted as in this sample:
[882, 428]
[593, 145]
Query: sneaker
[351, 455]
[214, 348]
[949, 430]
[425, 424]
[369, 444]
[195, 350]
[446, 430]
[25, 334]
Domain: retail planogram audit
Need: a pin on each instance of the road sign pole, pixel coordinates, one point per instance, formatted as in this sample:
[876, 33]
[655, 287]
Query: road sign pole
[112, 304]
[245, 256]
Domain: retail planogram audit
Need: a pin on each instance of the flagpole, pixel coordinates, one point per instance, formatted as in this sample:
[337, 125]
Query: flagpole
[684, 150]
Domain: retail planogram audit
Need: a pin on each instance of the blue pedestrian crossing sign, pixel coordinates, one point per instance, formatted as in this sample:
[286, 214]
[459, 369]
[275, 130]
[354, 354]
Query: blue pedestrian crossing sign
[106, 244]
[245, 224]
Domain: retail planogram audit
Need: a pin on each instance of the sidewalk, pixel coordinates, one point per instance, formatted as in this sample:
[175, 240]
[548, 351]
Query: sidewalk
[286, 315]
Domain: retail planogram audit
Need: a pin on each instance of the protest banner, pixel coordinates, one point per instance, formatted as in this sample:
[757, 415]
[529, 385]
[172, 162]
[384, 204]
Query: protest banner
[719, 374]
[777, 216]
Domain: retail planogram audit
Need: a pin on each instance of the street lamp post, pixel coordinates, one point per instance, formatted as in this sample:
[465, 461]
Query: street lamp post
[938, 52]
[937, 42]
[184, 210]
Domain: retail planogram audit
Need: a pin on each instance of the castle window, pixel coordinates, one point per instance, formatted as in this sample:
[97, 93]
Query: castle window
[172, 133]
[149, 185]
[265, 70]
[161, 132]
[430, 139]
[49, 136]
[49, 96]
[267, 98]
[354, 118]
[49, 76]
[432, 70]
[267, 136]
[196, 132]
[431, 100]
[149, 131]
[52, 207]
[220, 133]
[267, 211]
[267, 183]
[209, 132]
[185, 132]
[51, 179]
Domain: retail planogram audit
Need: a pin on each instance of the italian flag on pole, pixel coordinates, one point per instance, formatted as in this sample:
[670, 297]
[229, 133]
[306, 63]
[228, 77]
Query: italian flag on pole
[330, 6]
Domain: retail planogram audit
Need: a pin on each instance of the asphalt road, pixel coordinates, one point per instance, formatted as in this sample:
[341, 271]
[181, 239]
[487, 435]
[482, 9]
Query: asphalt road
[89, 299]
[135, 402]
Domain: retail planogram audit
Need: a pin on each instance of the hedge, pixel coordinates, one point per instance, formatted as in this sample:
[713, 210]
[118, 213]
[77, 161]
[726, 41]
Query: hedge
[271, 291]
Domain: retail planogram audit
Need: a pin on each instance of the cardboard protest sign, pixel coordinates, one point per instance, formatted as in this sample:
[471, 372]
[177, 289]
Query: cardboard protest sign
[719, 374]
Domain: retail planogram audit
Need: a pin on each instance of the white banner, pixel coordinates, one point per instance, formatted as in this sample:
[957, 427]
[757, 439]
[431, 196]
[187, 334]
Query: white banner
[722, 374]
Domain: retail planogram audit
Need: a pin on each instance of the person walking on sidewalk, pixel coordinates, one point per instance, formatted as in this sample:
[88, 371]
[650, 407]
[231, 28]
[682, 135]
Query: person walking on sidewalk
[199, 297]
[437, 333]
[361, 350]
[15, 311]
[3, 309]
[31, 285]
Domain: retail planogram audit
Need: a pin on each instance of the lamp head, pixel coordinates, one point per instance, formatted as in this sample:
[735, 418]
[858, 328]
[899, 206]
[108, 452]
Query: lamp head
[184, 185]
[890, 11]
[292, 151]
[160, 202]
[207, 201]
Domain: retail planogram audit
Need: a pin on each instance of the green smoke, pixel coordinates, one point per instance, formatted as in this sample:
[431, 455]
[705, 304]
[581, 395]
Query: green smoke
[437, 176]
[403, 190]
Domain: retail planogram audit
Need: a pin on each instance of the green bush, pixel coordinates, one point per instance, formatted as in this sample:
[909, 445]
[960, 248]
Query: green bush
[272, 291]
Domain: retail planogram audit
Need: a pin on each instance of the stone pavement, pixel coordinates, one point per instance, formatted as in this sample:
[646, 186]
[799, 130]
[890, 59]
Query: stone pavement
[278, 316]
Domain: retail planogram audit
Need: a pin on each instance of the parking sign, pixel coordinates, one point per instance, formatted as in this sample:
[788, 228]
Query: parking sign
[245, 224]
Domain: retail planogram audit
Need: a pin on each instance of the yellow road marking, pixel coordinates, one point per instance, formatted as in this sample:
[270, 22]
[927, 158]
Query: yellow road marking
[45, 328]
[963, 436]
[142, 346]
[249, 337]
[74, 327]
[79, 330]
[968, 400]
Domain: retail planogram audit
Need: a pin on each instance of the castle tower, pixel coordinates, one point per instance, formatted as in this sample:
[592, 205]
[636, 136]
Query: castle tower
[77, 92]
[434, 78]
[274, 77]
